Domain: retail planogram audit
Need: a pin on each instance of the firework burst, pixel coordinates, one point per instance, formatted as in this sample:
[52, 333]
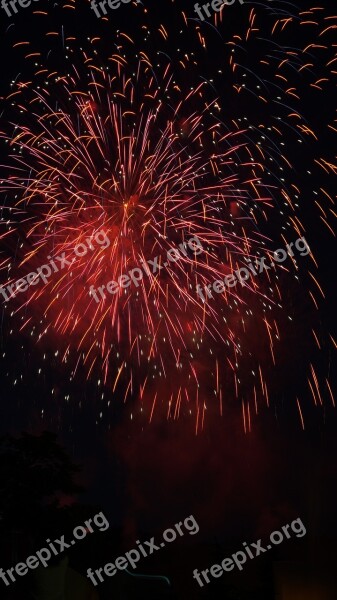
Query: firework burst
[127, 147]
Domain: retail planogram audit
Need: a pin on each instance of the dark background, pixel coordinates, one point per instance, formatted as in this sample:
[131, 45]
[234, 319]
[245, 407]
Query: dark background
[239, 487]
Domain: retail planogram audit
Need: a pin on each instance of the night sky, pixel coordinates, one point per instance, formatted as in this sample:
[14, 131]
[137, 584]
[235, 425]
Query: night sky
[242, 434]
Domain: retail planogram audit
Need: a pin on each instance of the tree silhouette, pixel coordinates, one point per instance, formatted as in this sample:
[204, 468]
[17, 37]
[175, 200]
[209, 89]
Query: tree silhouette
[34, 470]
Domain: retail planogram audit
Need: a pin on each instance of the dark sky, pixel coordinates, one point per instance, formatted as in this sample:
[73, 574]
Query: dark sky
[149, 475]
